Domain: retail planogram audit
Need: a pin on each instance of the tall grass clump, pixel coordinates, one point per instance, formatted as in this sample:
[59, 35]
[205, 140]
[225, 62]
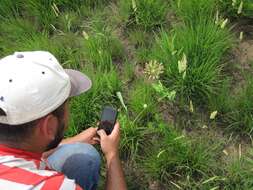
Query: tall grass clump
[146, 14]
[192, 57]
[193, 52]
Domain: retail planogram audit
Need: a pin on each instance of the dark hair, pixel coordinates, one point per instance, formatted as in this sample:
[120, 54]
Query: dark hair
[19, 133]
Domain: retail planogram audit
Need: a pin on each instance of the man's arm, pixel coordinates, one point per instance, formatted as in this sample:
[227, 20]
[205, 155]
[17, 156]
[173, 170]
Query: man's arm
[115, 177]
[109, 144]
[85, 137]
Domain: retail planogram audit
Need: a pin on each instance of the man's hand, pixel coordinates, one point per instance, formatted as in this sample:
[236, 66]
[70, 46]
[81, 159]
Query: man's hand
[115, 179]
[110, 143]
[87, 136]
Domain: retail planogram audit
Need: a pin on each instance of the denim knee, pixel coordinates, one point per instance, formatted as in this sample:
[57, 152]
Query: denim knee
[63, 152]
[78, 161]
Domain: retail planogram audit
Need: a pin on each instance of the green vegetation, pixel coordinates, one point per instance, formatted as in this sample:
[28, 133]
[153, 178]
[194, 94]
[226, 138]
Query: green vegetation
[171, 69]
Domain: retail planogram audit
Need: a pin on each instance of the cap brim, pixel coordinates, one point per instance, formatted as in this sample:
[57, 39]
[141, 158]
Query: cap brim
[80, 83]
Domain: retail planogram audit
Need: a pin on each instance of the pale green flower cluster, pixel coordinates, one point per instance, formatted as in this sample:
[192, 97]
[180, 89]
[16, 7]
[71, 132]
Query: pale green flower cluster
[153, 69]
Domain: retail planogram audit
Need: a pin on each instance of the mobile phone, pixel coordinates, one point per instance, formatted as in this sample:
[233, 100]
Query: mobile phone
[108, 119]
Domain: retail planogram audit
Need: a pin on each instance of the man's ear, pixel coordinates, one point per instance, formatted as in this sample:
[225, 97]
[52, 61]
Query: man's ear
[48, 126]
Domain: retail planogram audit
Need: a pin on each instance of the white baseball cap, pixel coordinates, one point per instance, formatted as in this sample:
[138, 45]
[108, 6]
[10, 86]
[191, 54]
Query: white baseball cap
[33, 84]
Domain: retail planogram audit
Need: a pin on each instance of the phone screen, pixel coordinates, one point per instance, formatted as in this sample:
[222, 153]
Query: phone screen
[108, 119]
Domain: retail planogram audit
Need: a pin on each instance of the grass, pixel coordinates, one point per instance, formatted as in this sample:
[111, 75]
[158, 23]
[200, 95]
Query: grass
[169, 60]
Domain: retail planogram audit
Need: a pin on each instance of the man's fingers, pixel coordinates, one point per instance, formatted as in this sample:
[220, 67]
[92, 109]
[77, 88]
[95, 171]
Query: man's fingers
[93, 142]
[116, 129]
[101, 133]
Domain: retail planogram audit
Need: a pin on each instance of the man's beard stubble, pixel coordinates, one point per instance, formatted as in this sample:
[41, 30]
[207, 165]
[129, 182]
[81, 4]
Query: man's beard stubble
[58, 136]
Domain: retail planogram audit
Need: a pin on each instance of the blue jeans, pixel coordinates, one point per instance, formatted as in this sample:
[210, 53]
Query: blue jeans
[78, 161]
